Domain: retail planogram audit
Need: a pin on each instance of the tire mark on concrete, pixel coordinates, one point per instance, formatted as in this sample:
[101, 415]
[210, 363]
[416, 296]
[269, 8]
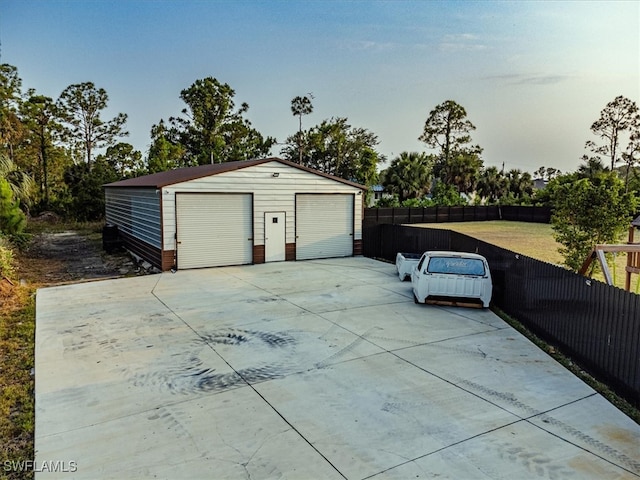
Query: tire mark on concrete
[343, 351]
[605, 450]
[186, 373]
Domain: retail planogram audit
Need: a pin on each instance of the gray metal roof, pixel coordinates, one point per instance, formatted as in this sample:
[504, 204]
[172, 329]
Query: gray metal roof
[178, 175]
[636, 222]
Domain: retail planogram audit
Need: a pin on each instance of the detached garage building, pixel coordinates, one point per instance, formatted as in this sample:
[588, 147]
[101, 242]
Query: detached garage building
[236, 213]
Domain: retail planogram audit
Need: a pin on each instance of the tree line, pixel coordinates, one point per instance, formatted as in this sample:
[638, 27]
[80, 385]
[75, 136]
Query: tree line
[56, 155]
[593, 205]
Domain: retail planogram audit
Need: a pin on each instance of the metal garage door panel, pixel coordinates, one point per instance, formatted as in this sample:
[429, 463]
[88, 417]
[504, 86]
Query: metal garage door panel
[324, 226]
[214, 229]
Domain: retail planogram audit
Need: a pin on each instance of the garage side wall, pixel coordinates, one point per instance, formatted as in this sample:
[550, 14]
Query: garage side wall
[274, 186]
[136, 212]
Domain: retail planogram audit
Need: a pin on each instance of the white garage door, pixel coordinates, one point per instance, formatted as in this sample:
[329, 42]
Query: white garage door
[214, 229]
[324, 226]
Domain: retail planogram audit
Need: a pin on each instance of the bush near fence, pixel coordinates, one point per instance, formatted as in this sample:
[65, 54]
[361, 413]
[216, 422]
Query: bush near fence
[473, 213]
[596, 324]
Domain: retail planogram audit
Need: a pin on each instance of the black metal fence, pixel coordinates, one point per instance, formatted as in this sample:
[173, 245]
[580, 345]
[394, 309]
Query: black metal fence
[596, 324]
[398, 215]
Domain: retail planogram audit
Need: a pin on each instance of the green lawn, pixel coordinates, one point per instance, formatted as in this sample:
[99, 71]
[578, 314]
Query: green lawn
[532, 239]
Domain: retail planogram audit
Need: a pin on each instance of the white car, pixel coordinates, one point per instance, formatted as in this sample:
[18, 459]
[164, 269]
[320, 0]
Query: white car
[452, 278]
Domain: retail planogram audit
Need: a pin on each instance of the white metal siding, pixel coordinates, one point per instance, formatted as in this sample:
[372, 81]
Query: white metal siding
[270, 194]
[214, 229]
[136, 211]
[324, 226]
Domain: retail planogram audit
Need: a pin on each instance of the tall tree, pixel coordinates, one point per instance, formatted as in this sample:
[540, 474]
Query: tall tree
[337, 148]
[39, 116]
[213, 131]
[165, 152]
[11, 128]
[631, 158]
[448, 129]
[124, 160]
[620, 116]
[409, 175]
[301, 106]
[85, 200]
[79, 107]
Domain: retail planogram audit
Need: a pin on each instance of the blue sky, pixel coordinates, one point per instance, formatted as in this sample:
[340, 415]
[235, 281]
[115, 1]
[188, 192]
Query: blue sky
[532, 76]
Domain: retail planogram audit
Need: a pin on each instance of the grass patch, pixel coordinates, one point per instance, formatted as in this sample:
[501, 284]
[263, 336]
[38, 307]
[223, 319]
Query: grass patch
[17, 346]
[534, 240]
[17, 411]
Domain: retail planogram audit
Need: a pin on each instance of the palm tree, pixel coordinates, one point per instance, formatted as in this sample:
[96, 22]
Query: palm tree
[492, 185]
[520, 184]
[591, 167]
[462, 171]
[301, 106]
[22, 185]
[409, 175]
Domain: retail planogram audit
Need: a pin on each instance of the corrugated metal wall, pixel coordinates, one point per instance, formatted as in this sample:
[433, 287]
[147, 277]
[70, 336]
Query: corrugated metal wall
[136, 212]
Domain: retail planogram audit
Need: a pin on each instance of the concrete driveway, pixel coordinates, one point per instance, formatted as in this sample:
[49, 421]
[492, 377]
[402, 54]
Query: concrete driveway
[318, 369]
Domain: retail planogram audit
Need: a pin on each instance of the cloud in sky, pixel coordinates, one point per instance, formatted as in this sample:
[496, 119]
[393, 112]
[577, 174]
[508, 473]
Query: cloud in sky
[532, 75]
[529, 79]
[462, 42]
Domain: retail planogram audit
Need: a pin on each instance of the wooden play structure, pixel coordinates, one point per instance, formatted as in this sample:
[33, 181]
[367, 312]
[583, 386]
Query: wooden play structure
[631, 248]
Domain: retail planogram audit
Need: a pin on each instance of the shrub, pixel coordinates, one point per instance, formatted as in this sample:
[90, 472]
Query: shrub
[6, 259]
[588, 211]
[12, 220]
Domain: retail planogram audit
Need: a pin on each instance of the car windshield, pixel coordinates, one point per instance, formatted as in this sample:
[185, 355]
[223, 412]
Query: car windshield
[456, 266]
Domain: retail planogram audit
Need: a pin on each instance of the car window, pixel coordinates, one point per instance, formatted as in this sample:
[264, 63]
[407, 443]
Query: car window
[419, 267]
[456, 266]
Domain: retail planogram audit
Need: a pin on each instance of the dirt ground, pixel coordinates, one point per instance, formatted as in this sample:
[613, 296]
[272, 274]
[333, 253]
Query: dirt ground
[71, 257]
